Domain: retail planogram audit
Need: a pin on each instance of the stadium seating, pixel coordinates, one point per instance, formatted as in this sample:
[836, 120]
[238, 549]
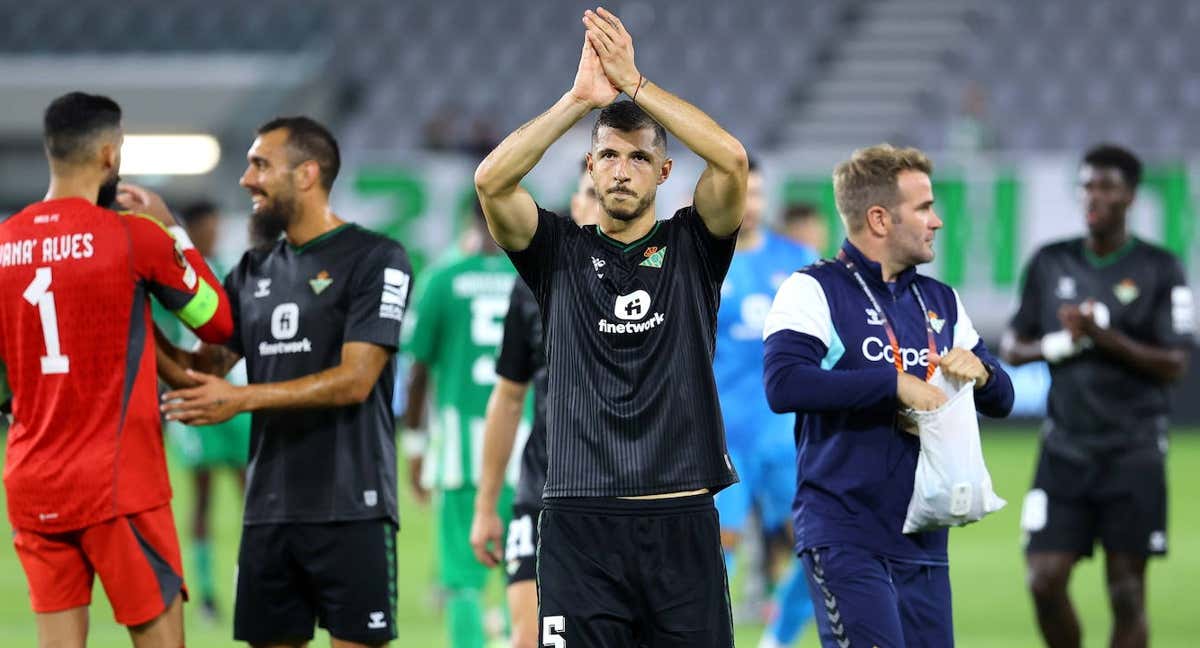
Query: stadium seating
[1054, 75]
[1060, 75]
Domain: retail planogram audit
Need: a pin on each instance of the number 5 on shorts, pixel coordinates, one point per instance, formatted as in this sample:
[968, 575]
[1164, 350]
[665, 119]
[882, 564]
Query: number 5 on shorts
[552, 626]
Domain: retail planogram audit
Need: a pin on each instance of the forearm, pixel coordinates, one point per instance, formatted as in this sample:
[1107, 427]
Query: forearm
[1016, 351]
[503, 169]
[418, 385]
[795, 382]
[1161, 364]
[335, 387]
[695, 129]
[499, 436]
[170, 371]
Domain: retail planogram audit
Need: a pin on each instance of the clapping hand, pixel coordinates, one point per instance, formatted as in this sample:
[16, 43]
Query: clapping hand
[591, 86]
[613, 44]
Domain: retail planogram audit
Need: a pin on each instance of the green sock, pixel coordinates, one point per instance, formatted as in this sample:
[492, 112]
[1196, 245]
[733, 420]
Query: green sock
[464, 618]
[202, 570]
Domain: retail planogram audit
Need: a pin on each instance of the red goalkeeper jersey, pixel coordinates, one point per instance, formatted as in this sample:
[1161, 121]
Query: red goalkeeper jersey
[76, 339]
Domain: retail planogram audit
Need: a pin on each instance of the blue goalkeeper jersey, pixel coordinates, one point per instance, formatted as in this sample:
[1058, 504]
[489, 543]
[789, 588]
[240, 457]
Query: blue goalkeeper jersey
[746, 296]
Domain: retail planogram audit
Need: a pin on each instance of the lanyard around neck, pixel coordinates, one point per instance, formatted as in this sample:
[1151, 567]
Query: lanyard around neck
[887, 325]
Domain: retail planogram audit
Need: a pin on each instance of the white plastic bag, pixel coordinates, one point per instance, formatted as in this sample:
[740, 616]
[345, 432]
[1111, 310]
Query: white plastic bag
[952, 485]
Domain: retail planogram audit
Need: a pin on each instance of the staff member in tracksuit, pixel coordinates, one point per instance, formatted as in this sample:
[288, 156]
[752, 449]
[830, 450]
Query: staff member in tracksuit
[849, 344]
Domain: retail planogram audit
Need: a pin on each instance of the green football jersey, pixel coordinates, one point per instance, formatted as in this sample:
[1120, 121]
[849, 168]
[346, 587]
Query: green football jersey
[455, 330]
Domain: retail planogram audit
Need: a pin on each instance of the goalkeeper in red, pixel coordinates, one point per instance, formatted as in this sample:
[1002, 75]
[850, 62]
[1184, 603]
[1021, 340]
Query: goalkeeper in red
[85, 476]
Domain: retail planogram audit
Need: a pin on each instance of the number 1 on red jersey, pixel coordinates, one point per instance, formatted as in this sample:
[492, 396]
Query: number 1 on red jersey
[38, 294]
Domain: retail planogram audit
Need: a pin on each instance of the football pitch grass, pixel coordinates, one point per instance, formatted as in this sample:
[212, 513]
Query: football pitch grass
[991, 607]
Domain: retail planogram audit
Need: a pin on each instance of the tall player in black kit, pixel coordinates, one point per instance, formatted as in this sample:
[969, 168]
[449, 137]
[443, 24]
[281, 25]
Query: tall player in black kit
[317, 314]
[521, 361]
[1114, 318]
[630, 551]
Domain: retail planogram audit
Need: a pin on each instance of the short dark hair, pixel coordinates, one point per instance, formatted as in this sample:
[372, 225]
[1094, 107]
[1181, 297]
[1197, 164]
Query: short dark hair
[753, 164]
[627, 116]
[797, 212]
[309, 140]
[1115, 157]
[72, 122]
[197, 210]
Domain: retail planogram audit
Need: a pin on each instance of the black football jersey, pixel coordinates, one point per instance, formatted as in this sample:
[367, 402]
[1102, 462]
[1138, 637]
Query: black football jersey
[629, 331]
[1096, 403]
[293, 309]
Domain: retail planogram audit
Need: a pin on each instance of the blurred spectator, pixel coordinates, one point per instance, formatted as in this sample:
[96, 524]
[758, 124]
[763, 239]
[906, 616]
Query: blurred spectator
[968, 131]
[806, 225]
[439, 133]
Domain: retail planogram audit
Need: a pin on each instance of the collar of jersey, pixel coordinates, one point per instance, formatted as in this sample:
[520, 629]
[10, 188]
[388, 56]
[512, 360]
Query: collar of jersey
[300, 249]
[627, 247]
[873, 272]
[1111, 257]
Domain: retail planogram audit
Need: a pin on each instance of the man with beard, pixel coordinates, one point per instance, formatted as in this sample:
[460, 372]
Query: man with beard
[850, 345]
[85, 477]
[317, 316]
[522, 361]
[1115, 319]
[635, 444]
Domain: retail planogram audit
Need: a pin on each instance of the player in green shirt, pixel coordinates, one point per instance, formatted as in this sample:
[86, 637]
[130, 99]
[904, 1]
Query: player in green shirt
[202, 449]
[453, 336]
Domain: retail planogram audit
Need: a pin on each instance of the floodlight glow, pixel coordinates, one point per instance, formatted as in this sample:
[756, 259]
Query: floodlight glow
[169, 154]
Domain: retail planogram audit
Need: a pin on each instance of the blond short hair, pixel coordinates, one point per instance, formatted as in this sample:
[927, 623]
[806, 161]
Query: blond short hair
[868, 179]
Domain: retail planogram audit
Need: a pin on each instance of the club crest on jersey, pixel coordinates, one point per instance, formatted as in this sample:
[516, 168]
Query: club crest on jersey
[873, 318]
[937, 323]
[1066, 288]
[654, 257]
[1126, 291]
[597, 264]
[320, 282]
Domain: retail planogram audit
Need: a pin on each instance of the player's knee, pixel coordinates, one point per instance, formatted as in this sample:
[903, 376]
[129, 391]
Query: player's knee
[1047, 582]
[1126, 598]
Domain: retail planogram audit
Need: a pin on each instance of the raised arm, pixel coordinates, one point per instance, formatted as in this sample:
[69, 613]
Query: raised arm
[510, 211]
[721, 192]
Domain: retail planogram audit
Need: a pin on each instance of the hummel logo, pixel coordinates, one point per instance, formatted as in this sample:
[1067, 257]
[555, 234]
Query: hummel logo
[264, 288]
[873, 317]
[378, 621]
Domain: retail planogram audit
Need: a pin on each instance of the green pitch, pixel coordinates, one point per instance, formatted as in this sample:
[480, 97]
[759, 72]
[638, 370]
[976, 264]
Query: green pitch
[991, 608]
